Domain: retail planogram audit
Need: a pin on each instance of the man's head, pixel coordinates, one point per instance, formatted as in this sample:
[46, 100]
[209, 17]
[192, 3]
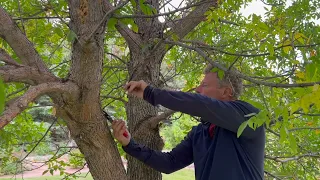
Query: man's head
[226, 89]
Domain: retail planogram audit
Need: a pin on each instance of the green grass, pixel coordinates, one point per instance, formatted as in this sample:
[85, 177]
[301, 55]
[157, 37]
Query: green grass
[183, 174]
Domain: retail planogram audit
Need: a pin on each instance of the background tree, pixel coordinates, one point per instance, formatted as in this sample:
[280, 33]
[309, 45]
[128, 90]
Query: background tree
[80, 54]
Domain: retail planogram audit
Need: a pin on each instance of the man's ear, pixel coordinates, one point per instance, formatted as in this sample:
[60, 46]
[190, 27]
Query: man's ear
[227, 93]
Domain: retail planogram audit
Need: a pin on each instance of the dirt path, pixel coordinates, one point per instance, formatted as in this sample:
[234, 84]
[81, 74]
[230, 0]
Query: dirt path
[38, 169]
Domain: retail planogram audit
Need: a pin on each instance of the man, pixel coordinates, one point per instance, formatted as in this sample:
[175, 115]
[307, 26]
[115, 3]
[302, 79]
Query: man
[213, 145]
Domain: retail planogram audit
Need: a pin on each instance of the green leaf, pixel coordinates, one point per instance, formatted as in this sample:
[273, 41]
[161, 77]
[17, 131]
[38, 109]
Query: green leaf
[287, 46]
[147, 9]
[287, 49]
[296, 62]
[241, 128]
[282, 33]
[271, 49]
[220, 74]
[133, 2]
[263, 26]
[283, 133]
[251, 123]
[2, 95]
[112, 22]
[299, 37]
[175, 37]
[215, 17]
[167, 46]
[58, 31]
[293, 143]
[71, 36]
[51, 171]
[214, 69]
[44, 172]
[135, 28]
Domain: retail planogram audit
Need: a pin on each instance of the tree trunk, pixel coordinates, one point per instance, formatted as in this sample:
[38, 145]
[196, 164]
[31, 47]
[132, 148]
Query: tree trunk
[95, 141]
[146, 58]
[84, 116]
[82, 112]
[139, 112]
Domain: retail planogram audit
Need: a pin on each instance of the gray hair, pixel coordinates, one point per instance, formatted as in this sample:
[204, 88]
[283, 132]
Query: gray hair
[231, 79]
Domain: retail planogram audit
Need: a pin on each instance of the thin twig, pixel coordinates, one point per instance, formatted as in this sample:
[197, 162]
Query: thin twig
[75, 171]
[105, 18]
[303, 128]
[243, 76]
[34, 147]
[17, 91]
[36, 18]
[270, 174]
[22, 23]
[160, 14]
[115, 98]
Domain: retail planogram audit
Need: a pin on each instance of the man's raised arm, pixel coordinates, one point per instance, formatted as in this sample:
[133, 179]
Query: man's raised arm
[166, 162]
[226, 114]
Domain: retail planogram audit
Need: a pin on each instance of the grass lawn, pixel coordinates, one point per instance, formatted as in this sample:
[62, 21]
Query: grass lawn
[183, 174]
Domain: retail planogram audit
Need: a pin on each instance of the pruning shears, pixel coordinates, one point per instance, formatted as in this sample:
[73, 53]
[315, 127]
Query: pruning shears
[109, 118]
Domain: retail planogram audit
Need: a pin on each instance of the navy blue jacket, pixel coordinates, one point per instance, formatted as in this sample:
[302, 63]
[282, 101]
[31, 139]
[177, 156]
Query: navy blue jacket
[225, 157]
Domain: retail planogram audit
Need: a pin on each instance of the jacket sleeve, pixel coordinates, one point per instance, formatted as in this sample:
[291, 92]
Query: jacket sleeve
[165, 162]
[225, 114]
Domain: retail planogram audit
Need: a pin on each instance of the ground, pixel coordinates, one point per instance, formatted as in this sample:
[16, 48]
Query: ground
[39, 168]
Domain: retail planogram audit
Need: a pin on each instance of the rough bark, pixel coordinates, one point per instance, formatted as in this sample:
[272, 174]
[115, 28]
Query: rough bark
[83, 114]
[20, 103]
[146, 58]
[84, 118]
[24, 49]
[139, 112]
[25, 74]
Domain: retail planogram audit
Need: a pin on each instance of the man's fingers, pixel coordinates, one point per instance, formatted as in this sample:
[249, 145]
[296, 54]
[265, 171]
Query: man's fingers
[122, 130]
[132, 87]
[127, 85]
[118, 125]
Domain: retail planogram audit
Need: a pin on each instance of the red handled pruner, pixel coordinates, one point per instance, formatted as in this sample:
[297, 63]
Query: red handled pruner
[109, 118]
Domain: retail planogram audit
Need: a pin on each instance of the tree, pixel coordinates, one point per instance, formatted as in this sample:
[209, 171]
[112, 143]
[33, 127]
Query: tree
[110, 42]
[76, 97]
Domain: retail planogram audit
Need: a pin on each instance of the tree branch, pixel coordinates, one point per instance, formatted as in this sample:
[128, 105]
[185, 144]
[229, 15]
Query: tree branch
[159, 14]
[133, 40]
[107, 15]
[21, 103]
[303, 128]
[34, 147]
[154, 121]
[115, 98]
[20, 13]
[24, 49]
[113, 55]
[188, 23]
[306, 114]
[25, 74]
[5, 57]
[270, 174]
[273, 4]
[287, 159]
[45, 17]
[202, 45]
[243, 76]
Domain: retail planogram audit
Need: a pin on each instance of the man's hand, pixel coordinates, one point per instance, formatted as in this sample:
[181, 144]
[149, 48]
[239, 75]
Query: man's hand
[119, 128]
[136, 88]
